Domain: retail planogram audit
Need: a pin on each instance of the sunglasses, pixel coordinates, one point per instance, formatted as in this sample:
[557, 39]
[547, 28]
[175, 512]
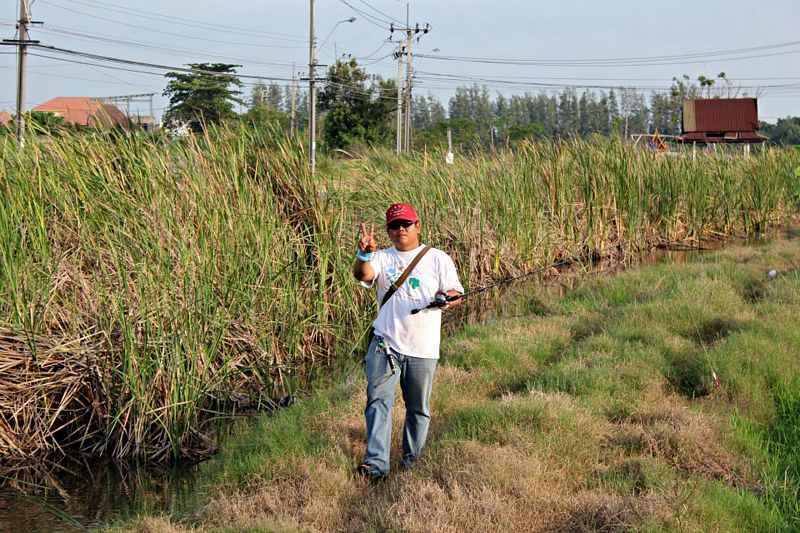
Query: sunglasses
[397, 224]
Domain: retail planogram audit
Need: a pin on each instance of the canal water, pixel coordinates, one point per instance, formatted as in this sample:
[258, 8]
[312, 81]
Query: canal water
[70, 497]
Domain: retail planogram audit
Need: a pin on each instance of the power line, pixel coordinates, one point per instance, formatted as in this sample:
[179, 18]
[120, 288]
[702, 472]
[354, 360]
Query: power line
[98, 57]
[513, 78]
[381, 12]
[162, 32]
[624, 62]
[369, 56]
[77, 62]
[123, 69]
[378, 60]
[372, 19]
[139, 44]
[362, 94]
[238, 30]
[65, 77]
[467, 78]
[358, 93]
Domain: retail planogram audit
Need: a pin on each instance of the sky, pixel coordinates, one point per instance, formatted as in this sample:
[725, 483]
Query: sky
[511, 46]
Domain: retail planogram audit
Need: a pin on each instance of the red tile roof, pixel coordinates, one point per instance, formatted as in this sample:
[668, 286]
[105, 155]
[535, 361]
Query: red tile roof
[84, 111]
[5, 118]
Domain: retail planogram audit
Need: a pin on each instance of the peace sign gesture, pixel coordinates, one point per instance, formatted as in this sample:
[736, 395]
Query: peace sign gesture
[367, 242]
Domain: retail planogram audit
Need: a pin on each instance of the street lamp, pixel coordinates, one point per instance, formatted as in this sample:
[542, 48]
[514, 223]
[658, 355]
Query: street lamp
[351, 19]
[312, 87]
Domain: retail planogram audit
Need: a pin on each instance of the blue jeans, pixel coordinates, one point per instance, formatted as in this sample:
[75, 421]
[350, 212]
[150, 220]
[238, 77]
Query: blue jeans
[416, 380]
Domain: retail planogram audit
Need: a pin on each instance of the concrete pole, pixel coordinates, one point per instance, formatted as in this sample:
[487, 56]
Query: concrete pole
[294, 103]
[312, 93]
[24, 21]
[408, 81]
[399, 97]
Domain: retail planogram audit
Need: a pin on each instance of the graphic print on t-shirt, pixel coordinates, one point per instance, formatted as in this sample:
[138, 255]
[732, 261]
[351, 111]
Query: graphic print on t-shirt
[394, 273]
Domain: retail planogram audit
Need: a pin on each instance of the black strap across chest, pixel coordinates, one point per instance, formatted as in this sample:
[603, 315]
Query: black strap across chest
[399, 281]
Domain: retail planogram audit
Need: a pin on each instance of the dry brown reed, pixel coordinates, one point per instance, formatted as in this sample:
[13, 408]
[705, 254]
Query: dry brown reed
[49, 391]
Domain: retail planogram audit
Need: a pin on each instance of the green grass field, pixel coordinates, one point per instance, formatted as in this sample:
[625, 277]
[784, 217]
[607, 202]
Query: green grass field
[662, 398]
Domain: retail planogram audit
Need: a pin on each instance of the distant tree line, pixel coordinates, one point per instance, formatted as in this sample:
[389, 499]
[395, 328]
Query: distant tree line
[356, 108]
[785, 131]
[476, 118]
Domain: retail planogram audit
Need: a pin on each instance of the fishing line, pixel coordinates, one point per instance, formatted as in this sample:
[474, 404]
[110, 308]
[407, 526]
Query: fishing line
[439, 302]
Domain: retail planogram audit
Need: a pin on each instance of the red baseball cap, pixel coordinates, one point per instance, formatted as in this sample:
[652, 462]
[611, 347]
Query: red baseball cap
[401, 212]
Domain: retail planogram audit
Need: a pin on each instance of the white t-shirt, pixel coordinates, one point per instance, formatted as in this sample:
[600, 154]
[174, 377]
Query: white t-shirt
[415, 335]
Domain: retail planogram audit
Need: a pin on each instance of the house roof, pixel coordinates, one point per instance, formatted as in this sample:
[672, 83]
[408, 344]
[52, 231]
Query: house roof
[5, 118]
[721, 120]
[84, 111]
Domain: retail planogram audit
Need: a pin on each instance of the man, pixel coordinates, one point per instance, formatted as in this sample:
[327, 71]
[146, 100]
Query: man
[405, 346]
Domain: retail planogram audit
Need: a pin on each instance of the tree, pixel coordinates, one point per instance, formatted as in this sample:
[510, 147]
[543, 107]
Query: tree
[42, 123]
[604, 114]
[358, 108]
[462, 130]
[533, 130]
[586, 103]
[426, 111]
[785, 131]
[300, 107]
[264, 116]
[474, 104]
[633, 112]
[667, 108]
[568, 113]
[271, 94]
[48, 123]
[719, 87]
[204, 96]
[265, 109]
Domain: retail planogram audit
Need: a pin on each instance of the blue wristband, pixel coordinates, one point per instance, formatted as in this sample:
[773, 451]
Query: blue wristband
[364, 257]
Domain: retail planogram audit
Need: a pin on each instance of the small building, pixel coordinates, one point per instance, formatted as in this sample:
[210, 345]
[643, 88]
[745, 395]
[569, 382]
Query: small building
[84, 111]
[721, 120]
[5, 118]
[145, 122]
[654, 142]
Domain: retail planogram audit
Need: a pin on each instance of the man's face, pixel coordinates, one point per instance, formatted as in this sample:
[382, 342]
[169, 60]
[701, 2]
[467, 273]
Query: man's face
[404, 234]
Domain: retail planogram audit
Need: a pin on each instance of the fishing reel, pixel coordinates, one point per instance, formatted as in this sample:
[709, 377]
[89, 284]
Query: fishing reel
[441, 301]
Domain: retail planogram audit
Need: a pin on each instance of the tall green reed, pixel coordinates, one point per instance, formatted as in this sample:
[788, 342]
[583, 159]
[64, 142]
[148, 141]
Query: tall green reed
[213, 267]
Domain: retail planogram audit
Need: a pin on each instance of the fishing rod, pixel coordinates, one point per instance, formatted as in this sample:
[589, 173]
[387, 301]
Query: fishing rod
[441, 300]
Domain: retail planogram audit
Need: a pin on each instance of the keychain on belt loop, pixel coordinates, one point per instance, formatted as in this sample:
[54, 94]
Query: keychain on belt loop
[385, 347]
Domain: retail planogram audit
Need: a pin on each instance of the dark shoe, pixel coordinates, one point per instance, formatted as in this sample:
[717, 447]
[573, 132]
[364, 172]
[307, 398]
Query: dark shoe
[372, 472]
[408, 462]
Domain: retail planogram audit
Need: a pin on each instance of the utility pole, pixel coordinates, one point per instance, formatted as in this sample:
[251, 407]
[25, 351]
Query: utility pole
[312, 93]
[408, 82]
[399, 57]
[22, 64]
[408, 31]
[24, 40]
[294, 103]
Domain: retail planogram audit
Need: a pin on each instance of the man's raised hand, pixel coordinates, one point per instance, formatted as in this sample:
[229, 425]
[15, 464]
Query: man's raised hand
[367, 242]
